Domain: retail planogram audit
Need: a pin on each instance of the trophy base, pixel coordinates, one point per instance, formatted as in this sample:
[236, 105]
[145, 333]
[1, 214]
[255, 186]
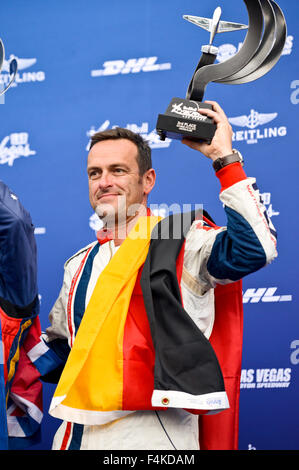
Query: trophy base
[183, 120]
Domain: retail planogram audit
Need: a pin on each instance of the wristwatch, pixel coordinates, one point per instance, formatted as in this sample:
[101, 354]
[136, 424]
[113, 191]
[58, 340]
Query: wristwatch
[227, 160]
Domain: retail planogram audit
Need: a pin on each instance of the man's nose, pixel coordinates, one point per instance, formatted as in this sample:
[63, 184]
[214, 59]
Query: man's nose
[105, 180]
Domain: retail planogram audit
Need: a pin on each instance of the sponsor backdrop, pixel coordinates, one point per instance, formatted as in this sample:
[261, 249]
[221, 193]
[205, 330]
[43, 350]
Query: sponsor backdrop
[90, 65]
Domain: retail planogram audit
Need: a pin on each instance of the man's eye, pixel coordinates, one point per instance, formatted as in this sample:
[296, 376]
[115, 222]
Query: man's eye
[93, 174]
[119, 170]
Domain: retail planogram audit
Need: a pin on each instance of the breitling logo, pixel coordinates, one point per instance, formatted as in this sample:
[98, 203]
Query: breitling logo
[22, 63]
[24, 77]
[252, 122]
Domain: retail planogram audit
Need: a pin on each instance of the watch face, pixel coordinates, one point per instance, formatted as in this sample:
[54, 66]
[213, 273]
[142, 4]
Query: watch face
[239, 155]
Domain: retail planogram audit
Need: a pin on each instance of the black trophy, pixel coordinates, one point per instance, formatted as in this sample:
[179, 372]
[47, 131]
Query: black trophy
[259, 53]
[13, 67]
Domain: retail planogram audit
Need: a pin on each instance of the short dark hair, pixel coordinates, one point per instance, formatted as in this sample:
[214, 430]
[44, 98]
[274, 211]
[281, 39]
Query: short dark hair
[144, 158]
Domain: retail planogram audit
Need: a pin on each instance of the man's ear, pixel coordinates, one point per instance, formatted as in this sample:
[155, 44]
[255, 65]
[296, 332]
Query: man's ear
[149, 179]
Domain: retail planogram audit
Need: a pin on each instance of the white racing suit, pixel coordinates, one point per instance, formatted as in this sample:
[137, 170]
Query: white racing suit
[213, 255]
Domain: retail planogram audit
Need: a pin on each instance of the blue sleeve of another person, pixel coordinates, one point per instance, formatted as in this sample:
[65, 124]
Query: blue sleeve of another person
[18, 253]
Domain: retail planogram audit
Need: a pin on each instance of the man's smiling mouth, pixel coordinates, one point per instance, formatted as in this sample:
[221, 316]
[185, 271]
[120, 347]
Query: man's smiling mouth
[107, 195]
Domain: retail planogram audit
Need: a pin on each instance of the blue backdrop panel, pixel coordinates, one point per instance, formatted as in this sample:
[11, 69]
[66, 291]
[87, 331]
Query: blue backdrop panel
[89, 65]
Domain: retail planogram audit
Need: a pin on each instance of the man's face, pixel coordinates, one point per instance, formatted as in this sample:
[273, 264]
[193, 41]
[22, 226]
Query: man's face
[115, 184]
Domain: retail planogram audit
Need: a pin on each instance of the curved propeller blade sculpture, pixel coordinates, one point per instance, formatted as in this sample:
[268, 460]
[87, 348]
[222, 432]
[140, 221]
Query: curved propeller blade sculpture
[261, 50]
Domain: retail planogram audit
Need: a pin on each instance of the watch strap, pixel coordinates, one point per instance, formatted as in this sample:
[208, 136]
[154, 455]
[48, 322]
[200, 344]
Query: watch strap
[227, 160]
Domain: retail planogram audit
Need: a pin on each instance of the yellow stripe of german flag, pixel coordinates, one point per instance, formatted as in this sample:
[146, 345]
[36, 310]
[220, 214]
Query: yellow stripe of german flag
[93, 376]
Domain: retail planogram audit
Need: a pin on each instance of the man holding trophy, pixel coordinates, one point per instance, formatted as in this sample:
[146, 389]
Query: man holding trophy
[146, 334]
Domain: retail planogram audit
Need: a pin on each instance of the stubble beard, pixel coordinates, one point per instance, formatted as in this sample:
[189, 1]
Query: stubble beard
[116, 218]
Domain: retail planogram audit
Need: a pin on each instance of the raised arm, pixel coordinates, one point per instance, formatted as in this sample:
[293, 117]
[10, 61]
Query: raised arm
[248, 242]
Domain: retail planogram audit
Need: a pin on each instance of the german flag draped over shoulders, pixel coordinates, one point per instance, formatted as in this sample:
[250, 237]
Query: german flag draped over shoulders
[136, 347]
